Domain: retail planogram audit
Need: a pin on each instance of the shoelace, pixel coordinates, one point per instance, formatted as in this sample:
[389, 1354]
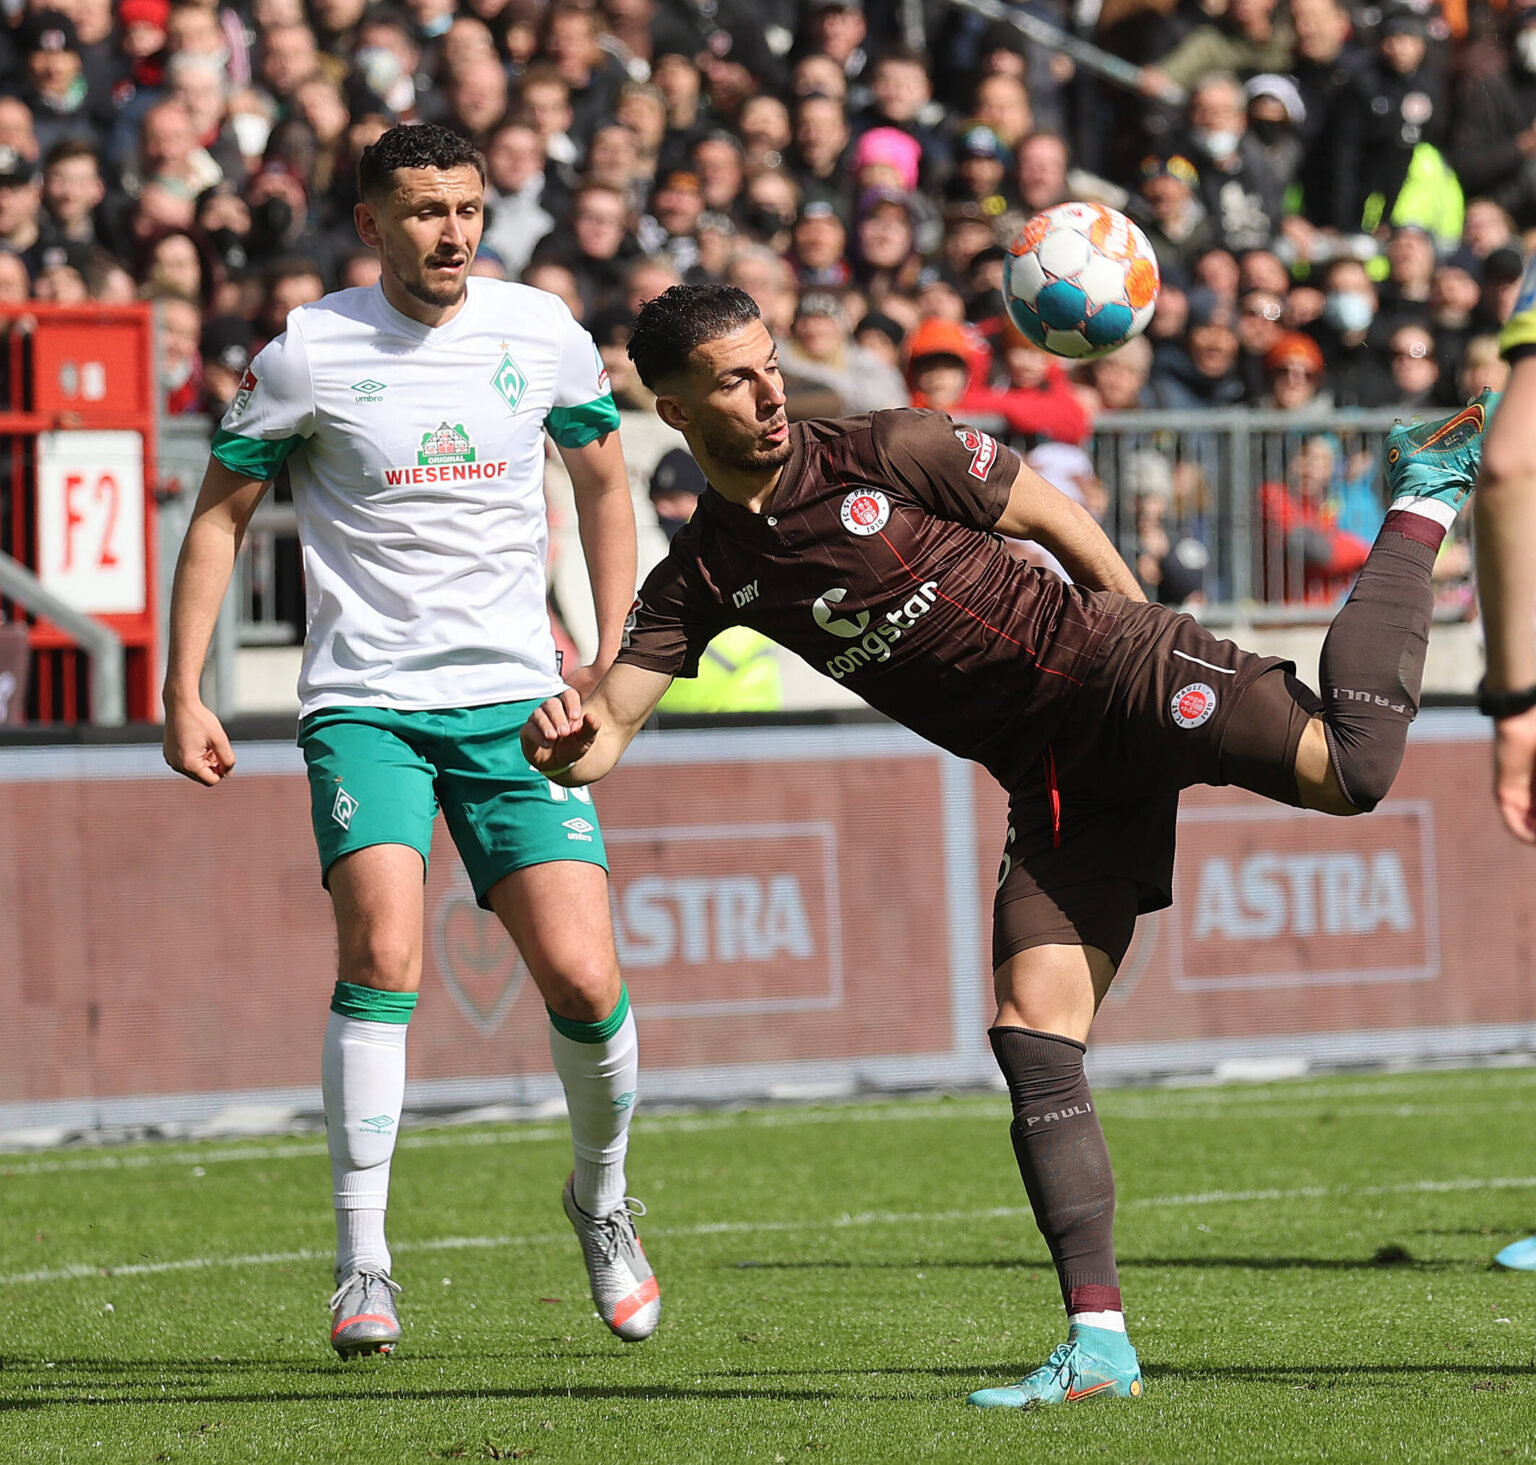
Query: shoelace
[618, 1226]
[369, 1280]
[1059, 1363]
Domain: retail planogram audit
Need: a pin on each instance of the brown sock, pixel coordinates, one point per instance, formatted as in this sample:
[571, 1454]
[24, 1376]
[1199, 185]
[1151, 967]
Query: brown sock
[1062, 1156]
[1373, 658]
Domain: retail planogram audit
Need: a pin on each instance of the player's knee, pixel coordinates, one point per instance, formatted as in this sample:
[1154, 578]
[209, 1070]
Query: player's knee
[584, 989]
[1363, 781]
[386, 960]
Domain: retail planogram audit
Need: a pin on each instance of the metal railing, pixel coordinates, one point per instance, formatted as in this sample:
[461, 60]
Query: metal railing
[107, 673]
[1264, 495]
[1222, 477]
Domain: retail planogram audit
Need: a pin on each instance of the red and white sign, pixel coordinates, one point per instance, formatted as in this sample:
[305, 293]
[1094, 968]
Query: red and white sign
[1269, 897]
[90, 520]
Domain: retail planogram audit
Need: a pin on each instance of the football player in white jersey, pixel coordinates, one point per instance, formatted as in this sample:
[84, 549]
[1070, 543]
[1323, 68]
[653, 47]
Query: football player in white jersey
[412, 418]
[1505, 519]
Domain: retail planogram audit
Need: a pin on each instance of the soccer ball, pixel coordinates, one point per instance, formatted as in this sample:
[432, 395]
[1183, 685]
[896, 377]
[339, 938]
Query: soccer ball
[1080, 280]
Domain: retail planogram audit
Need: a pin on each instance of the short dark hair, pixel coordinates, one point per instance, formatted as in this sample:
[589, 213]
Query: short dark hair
[416, 145]
[670, 328]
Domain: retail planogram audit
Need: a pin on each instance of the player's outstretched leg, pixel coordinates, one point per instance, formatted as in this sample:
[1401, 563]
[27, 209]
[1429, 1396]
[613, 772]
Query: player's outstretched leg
[363, 1081]
[1519, 1256]
[1373, 658]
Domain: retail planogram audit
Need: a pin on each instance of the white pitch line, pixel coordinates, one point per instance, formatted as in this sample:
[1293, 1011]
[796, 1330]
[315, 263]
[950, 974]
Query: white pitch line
[1171, 1105]
[80, 1271]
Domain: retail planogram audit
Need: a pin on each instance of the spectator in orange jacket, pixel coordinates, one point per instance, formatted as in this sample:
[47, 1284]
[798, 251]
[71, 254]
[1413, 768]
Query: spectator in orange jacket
[947, 365]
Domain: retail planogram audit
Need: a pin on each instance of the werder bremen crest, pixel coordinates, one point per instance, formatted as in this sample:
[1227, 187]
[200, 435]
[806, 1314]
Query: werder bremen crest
[446, 443]
[510, 382]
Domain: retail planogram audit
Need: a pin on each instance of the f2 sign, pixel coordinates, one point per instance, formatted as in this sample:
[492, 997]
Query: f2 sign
[90, 519]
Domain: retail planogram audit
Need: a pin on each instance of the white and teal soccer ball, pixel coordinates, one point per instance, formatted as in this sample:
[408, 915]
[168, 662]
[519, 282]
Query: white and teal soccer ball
[1081, 280]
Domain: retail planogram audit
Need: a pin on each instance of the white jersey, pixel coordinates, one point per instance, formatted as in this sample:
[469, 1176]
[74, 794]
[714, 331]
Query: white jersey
[416, 455]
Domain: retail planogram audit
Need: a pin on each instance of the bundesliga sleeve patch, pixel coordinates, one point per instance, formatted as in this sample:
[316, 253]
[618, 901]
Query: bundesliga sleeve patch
[243, 391]
[1193, 705]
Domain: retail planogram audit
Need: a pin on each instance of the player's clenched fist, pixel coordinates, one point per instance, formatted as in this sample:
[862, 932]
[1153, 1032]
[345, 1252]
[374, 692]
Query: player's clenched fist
[195, 743]
[559, 733]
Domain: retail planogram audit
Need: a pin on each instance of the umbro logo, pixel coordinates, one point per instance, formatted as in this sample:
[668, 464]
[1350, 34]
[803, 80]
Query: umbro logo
[379, 1124]
[368, 390]
[579, 828]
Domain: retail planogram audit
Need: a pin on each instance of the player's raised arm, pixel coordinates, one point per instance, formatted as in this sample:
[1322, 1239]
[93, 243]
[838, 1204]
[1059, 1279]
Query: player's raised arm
[1038, 511]
[195, 743]
[575, 744]
[606, 521]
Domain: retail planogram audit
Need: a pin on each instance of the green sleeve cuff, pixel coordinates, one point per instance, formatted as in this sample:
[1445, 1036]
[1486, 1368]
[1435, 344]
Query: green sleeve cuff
[253, 457]
[575, 427]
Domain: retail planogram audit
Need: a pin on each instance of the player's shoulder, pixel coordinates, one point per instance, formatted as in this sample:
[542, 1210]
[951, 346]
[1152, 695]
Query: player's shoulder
[339, 313]
[517, 305]
[910, 429]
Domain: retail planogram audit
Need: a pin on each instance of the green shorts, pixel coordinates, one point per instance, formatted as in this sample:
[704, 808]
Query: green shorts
[378, 776]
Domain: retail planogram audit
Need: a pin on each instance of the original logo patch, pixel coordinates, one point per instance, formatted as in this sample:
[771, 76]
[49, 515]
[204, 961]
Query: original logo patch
[866, 512]
[1193, 705]
[449, 443]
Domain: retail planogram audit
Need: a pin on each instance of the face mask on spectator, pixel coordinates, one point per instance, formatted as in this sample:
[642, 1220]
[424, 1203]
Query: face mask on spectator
[1348, 311]
[271, 219]
[1269, 129]
[381, 69]
[1525, 48]
[767, 220]
[1218, 144]
[251, 133]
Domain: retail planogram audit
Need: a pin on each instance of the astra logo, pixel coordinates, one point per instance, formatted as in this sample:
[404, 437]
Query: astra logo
[829, 620]
[1269, 895]
[875, 642]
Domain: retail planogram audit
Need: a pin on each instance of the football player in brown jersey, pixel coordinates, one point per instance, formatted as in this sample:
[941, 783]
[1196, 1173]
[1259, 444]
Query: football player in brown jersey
[869, 546]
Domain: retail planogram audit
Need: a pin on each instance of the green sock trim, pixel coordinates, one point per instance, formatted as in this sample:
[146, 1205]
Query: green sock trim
[371, 1005]
[592, 1032]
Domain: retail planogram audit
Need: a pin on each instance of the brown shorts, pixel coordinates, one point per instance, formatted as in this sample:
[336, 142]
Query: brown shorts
[1091, 830]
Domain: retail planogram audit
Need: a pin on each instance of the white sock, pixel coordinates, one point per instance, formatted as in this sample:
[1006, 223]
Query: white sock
[362, 1078]
[599, 1066]
[1437, 509]
[1113, 1321]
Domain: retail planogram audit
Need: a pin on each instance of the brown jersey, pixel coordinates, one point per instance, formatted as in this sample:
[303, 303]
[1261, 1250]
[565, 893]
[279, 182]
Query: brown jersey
[876, 562]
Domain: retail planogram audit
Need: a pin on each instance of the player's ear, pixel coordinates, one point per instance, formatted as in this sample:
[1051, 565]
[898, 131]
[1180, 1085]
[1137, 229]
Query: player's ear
[673, 413]
[366, 223]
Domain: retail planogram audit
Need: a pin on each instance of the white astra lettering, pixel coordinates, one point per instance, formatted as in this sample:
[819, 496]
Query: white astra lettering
[1267, 895]
[701, 919]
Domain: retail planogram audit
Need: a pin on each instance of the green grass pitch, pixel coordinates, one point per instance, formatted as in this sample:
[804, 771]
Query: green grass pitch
[1306, 1265]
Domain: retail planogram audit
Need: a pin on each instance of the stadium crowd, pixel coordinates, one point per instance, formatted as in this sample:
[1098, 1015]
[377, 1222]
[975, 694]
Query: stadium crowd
[1337, 200]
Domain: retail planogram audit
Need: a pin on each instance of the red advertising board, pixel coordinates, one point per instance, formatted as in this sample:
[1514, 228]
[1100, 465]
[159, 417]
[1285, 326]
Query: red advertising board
[806, 905]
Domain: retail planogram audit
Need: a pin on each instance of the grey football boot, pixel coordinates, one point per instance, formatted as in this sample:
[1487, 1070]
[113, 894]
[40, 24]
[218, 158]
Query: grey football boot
[624, 1287]
[363, 1315]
